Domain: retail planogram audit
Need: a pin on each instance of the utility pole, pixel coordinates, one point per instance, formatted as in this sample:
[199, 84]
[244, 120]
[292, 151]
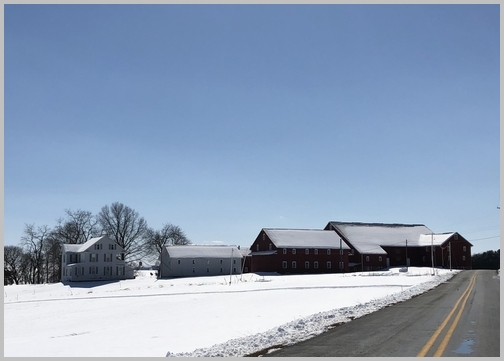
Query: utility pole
[432, 252]
[406, 255]
[449, 254]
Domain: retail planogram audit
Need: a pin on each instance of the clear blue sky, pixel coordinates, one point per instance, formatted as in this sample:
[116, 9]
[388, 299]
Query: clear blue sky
[224, 119]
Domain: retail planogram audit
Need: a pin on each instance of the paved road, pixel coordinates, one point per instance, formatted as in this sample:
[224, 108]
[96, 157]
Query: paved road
[458, 318]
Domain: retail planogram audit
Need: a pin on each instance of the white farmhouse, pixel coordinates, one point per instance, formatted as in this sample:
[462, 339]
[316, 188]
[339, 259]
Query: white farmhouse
[99, 258]
[196, 260]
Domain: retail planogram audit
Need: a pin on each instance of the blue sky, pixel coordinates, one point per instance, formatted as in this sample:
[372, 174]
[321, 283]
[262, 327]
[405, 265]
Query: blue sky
[224, 119]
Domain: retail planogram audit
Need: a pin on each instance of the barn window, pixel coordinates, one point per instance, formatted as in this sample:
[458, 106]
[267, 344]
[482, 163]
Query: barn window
[178, 261]
[193, 270]
[208, 270]
[315, 251]
[293, 251]
[307, 251]
[294, 264]
[284, 264]
[328, 251]
[270, 247]
[220, 261]
[464, 248]
[423, 258]
[193, 262]
[285, 251]
[207, 261]
[379, 258]
[367, 258]
[341, 265]
[257, 248]
[426, 248]
[307, 265]
[264, 236]
[246, 269]
[455, 236]
[234, 270]
[328, 264]
[221, 270]
[463, 258]
[315, 264]
[234, 261]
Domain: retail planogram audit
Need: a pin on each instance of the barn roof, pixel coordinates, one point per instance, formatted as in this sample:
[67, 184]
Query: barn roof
[203, 251]
[303, 238]
[369, 238]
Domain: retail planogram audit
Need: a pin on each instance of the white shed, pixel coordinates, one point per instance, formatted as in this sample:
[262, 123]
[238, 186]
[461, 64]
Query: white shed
[199, 260]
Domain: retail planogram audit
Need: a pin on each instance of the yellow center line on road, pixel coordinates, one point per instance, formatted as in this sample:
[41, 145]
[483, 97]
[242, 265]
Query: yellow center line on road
[434, 337]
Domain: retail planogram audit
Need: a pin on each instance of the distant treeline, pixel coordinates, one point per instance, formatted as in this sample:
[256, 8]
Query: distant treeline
[486, 260]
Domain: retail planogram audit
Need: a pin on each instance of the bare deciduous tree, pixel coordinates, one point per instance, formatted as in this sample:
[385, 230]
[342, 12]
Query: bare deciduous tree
[33, 241]
[168, 235]
[126, 227]
[13, 258]
[77, 228]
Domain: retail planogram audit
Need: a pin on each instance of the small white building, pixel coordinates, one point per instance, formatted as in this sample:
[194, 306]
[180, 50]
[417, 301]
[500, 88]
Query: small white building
[200, 260]
[100, 258]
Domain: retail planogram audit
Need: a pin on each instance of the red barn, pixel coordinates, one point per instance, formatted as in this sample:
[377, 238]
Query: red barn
[290, 251]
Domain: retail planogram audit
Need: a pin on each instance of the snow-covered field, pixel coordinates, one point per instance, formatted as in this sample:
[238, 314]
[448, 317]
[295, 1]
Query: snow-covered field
[204, 316]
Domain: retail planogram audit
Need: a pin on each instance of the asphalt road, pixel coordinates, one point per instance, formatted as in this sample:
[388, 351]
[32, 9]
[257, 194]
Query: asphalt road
[458, 318]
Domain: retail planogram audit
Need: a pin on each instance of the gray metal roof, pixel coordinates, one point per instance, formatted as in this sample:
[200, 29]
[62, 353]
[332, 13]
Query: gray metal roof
[304, 238]
[203, 251]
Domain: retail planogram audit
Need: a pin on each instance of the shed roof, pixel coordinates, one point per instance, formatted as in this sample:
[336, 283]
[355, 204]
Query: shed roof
[203, 251]
[303, 238]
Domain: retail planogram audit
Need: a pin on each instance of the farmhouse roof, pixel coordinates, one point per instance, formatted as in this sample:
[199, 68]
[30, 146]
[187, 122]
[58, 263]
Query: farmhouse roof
[203, 251]
[303, 238]
[83, 246]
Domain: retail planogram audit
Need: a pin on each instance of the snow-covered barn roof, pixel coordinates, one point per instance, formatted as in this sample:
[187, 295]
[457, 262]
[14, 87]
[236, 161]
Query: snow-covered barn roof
[203, 251]
[369, 238]
[302, 238]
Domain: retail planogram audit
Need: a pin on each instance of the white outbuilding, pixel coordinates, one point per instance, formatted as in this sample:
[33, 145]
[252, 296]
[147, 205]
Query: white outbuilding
[200, 260]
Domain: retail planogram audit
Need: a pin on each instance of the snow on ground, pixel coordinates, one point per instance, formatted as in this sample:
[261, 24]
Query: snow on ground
[203, 316]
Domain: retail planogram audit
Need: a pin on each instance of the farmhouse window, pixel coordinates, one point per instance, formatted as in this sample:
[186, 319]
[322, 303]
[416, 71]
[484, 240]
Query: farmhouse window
[284, 264]
[285, 251]
[328, 251]
[93, 257]
[315, 251]
[294, 264]
[293, 251]
[307, 251]
[464, 248]
[328, 264]
[315, 264]
[307, 264]
[120, 256]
